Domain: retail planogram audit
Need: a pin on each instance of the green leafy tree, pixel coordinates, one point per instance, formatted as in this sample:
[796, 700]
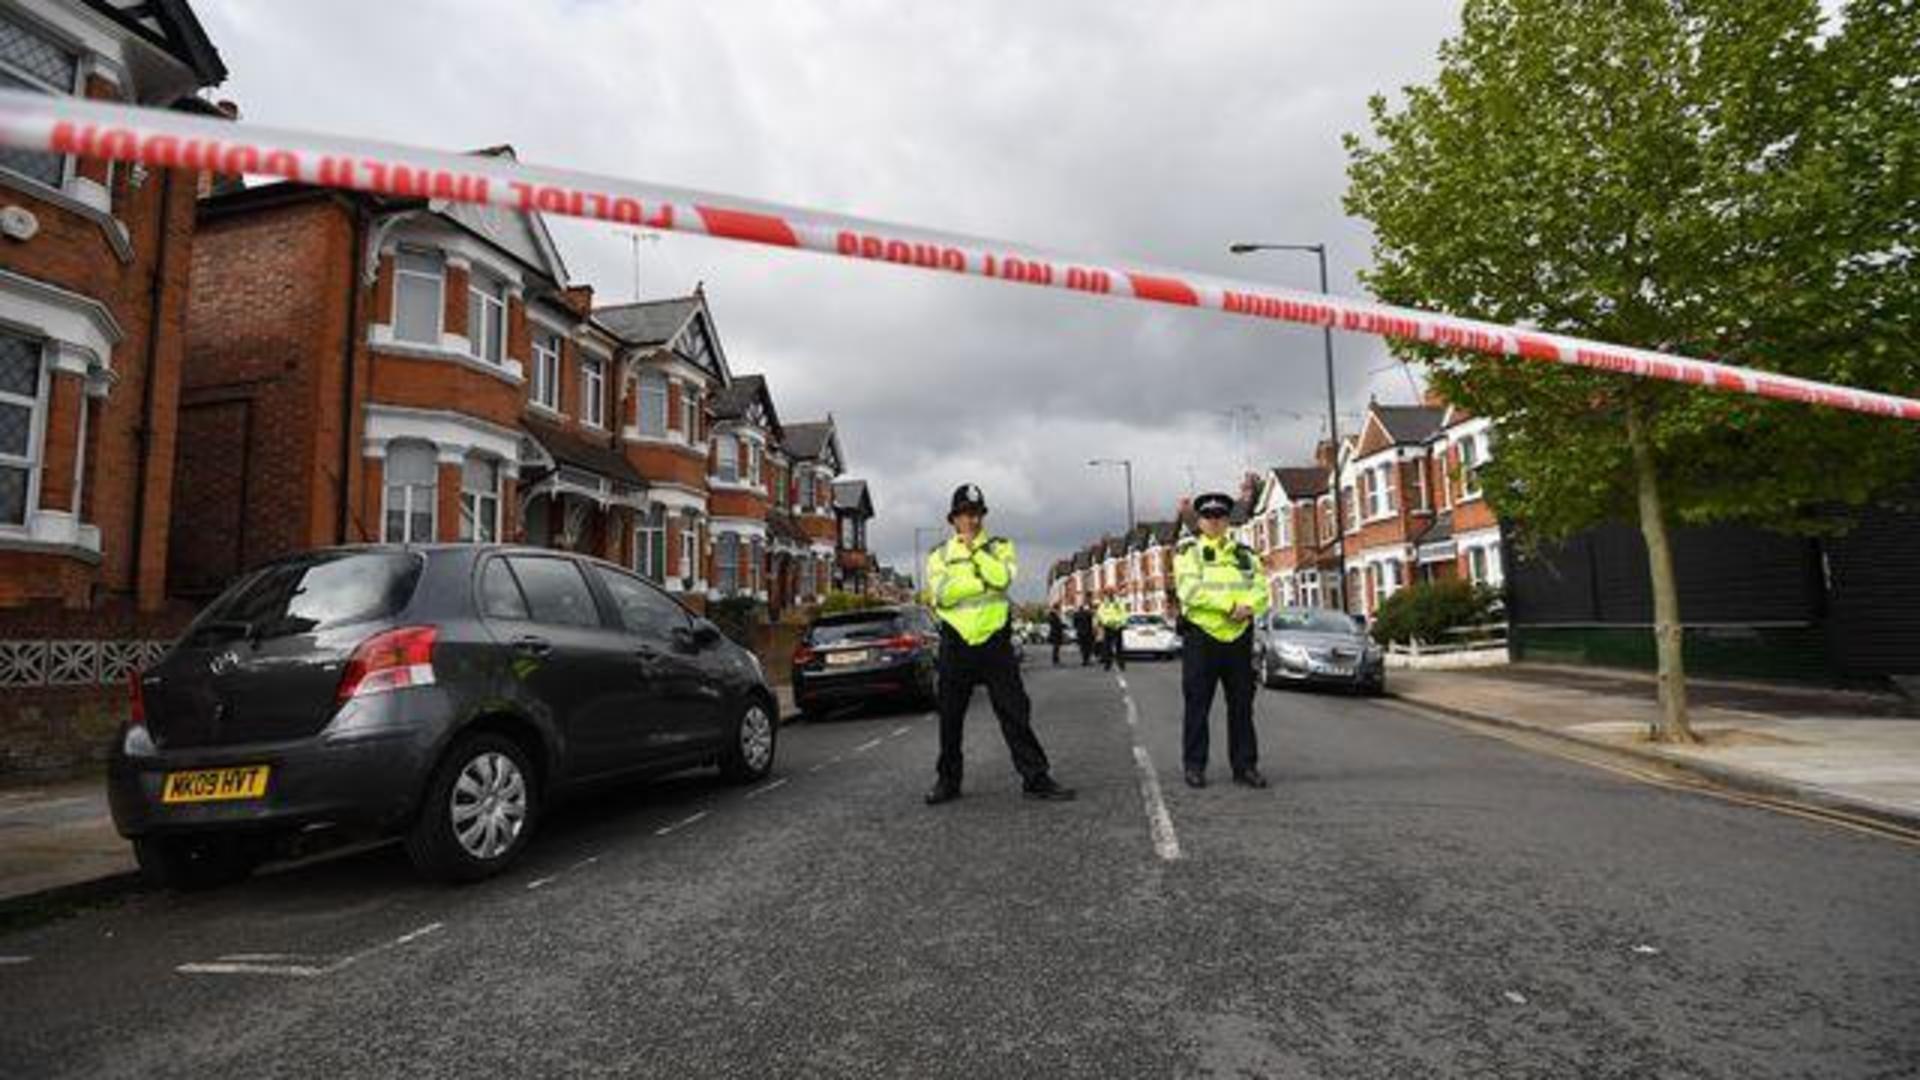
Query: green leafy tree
[1716, 178]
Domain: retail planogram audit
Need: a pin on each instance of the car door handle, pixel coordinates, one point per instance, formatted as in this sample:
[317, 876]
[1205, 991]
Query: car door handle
[646, 654]
[532, 646]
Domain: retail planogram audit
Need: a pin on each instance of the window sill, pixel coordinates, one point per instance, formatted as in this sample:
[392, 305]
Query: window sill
[53, 533]
[547, 411]
[509, 372]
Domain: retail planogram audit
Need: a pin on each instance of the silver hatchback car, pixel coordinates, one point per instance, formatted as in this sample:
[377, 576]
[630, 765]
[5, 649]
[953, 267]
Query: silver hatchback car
[1317, 645]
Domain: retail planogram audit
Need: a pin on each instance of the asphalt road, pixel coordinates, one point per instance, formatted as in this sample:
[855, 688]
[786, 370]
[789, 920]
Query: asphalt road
[1409, 899]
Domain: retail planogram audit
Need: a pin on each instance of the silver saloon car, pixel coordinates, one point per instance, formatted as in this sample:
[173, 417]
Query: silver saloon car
[1317, 645]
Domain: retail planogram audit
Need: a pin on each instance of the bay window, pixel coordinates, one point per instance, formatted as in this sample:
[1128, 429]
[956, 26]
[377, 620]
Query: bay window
[34, 61]
[412, 482]
[419, 277]
[486, 317]
[593, 391]
[20, 409]
[546, 370]
[480, 500]
[653, 404]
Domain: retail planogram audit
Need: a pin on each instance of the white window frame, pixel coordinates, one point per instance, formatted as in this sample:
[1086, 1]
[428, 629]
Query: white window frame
[36, 407]
[651, 530]
[546, 369]
[689, 412]
[68, 165]
[1471, 460]
[653, 387]
[439, 280]
[486, 296]
[593, 391]
[726, 457]
[753, 463]
[726, 570]
[408, 493]
[480, 507]
[690, 570]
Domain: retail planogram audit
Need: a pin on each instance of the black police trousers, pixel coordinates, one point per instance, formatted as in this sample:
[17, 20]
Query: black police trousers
[1110, 652]
[993, 662]
[1204, 662]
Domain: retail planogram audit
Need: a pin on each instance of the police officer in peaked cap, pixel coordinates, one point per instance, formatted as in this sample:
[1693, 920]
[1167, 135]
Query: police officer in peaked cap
[1222, 591]
[967, 581]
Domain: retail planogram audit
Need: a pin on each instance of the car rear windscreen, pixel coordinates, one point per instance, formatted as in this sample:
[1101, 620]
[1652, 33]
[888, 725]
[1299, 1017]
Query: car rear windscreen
[869, 628]
[302, 596]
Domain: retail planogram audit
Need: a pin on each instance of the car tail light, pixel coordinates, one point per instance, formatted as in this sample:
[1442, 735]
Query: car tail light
[389, 661]
[136, 701]
[803, 655]
[902, 643]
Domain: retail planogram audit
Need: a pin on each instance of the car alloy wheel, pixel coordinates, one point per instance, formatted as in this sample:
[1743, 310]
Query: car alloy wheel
[750, 754]
[756, 738]
[488, 805]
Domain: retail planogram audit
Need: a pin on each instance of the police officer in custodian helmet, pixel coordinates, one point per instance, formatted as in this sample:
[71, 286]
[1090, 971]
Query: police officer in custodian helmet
[967, 581]
[1222, 592]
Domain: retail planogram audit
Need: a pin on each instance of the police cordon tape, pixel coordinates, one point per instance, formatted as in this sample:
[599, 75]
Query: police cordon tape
[167, 139]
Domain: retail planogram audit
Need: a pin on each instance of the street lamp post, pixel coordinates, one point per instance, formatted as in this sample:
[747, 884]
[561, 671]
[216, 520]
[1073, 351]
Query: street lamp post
[1333, 409]
[1127, 464]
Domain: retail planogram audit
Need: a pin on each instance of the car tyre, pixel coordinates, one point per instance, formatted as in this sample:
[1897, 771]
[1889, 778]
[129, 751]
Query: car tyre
[1267, 677]
[194, 863]
[749, 753]
[479, 811]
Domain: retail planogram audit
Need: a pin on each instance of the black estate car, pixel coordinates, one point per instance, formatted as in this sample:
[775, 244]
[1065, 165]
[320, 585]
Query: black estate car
[442, 693]
[876, 654]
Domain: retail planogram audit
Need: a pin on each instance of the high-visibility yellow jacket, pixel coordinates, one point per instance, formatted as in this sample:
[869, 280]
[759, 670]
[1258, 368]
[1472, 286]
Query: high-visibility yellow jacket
[968, 584]
[1111, 614]
[1211, 578]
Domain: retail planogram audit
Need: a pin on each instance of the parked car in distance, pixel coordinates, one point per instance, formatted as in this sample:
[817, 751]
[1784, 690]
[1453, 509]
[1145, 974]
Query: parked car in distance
[444, 693]
[1149, 635]
[1317, 645]
[876, 655]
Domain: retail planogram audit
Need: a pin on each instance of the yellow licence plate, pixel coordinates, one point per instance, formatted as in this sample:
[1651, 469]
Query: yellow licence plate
[216, 785]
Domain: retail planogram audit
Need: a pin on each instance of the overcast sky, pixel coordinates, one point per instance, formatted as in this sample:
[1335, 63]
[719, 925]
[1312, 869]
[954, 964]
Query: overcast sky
[1149, 132]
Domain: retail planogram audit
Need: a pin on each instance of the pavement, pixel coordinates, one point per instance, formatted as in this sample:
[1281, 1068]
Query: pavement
[1847, 751]
[1411, 898]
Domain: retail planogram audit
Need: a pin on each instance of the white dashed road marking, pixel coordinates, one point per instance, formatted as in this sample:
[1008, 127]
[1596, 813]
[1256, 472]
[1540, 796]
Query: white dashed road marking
[296, 965]
[538, 882]
[665, 830]
[1159, 822]
[764, 788]
[901, 730]
[866, 746]
[10, 961]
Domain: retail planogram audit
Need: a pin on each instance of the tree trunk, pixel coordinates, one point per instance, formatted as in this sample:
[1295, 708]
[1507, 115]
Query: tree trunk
[1673, 726]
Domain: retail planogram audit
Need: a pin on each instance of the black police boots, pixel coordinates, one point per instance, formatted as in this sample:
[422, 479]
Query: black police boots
[1250, 777]
[943, 791]
[1046, 787]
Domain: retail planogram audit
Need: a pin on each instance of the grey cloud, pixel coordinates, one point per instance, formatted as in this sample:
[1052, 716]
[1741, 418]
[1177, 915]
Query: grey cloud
[1151, 133]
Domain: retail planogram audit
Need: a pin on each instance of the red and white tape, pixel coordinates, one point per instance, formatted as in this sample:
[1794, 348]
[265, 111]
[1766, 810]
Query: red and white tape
[164, 139]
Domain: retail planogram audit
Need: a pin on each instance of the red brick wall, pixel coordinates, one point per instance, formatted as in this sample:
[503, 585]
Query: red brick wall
[72, 252]
[267, 326]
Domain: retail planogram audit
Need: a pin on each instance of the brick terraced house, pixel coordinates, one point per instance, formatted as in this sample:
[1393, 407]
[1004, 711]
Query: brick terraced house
[94, 266]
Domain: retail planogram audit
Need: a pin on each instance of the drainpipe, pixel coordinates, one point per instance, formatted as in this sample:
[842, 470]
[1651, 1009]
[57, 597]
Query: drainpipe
[356, 282]
[156, 302]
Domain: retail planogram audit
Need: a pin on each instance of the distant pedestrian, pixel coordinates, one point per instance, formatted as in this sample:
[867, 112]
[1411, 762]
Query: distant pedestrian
[1056, 633]
[968, 577]
[1113, 628]
[1083, 634]
[1221, 593]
